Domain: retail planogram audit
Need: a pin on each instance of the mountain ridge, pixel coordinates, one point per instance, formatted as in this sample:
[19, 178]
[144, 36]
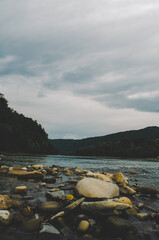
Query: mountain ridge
[134, 137]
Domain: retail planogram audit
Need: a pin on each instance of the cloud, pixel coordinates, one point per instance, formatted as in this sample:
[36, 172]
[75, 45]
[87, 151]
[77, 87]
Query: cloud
[102, 55]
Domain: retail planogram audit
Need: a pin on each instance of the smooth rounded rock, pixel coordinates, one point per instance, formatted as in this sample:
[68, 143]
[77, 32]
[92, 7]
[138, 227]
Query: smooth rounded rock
[20, 189]
[126, 200]
[83, 226]
[50, 207]
[120, 178]
[95, 188]
[56, 195]
[102, 177]
[5, 217]
[105, 207]
[127, 190]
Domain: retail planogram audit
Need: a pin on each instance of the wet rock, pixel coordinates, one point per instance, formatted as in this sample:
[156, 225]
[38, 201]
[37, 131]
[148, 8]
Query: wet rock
[5, 217]
[119, 178]
[20, 189]
[83, 226]
[140, 205]
[40, 166]
[73, 205]
[4, 169]
[118, 226]
[31, 224]
[50, 207]
[43, 184]
[127, 190]
[79, 170]
[16, 204]
[24, 175]
[142, 216]
[102, 177]
[94, 188]
[56, 195]
[126, 200]
[5, 202]
[54, 190]
[50, 180]
[105, 207]
[147, 190]
[49, 232]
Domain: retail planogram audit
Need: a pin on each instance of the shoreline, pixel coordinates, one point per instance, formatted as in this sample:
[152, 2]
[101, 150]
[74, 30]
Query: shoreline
[65, 179]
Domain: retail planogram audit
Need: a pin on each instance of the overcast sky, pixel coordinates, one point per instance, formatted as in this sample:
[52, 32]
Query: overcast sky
[81, 68]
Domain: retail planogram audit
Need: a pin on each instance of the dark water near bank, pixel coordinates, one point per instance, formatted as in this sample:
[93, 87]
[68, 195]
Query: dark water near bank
[146, 171]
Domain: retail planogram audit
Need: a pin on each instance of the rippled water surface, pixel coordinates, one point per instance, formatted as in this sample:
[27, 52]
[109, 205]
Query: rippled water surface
[146, 170]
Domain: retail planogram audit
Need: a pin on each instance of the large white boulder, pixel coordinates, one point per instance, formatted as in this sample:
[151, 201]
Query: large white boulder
[95, 188]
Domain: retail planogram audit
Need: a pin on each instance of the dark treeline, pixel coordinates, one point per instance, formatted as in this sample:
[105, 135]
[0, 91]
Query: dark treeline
[19, 134]
[135, 143]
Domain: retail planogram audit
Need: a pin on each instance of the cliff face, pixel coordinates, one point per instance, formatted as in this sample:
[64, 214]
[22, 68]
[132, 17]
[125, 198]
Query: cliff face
[19, 133]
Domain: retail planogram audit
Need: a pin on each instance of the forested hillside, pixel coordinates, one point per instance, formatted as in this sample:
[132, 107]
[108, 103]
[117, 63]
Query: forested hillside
[19, 134]
[135, 143]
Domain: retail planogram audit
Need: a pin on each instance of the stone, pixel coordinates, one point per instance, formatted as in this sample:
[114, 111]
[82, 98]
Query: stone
[73, 205]
[142, 216]
[95, 188]
[31, 224]
[56, 195]
[40, 166]
[126, 200]
[107, 207]
[127, 190]
[5, 202]
[24, 175]
[5, 217]
[118, 226]
[50, 180]
[102, 177]
[16, 204]
[4, 169]
[83, 226]
[147, 190]
[54, 190]
[120, 178]
[48, 228]
[79, 170]
[50, 207]
[140, 205]
[20, 189]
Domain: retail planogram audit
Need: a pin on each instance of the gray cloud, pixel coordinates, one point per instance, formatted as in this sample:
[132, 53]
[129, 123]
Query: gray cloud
[104, 52]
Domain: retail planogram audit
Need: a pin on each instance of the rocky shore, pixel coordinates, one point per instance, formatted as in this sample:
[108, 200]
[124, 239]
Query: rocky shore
[72, 203]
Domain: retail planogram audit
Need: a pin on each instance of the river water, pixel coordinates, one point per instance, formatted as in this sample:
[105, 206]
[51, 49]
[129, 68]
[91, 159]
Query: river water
[146, 171]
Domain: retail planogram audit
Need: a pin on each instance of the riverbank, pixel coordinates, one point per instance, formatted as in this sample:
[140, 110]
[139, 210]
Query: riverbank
[71, 203]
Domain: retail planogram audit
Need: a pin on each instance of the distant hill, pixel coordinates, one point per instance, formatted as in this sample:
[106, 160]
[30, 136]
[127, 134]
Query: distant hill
[19, 134]
[134, 143]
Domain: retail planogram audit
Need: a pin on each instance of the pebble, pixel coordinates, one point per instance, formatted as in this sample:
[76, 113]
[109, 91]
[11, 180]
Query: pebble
[5, 217]
[142, 216]
[83, 226]
[20, 189]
